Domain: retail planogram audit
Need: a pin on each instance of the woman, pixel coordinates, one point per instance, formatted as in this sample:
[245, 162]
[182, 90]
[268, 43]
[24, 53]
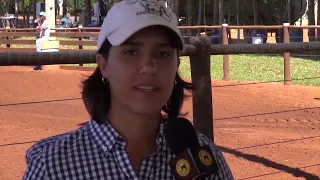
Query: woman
[135, 80]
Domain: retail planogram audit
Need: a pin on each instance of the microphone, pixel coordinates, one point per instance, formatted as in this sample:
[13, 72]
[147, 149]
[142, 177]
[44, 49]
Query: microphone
[192, 161]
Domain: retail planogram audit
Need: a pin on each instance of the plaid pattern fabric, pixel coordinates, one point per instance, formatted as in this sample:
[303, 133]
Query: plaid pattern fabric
[98, 152]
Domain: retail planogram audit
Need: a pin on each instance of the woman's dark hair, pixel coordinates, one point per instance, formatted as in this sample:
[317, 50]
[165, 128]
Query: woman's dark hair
[96, 94]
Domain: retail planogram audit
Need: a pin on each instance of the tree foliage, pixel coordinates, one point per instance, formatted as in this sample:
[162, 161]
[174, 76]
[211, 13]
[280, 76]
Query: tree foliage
[268, 10]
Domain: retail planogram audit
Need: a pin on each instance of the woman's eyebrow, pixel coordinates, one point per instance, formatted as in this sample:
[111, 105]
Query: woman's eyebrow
[136, 43]
[165, 44]
[133, 43]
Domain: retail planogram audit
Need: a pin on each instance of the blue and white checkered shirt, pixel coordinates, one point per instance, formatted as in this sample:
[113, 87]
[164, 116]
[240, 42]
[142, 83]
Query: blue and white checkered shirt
[98, 152]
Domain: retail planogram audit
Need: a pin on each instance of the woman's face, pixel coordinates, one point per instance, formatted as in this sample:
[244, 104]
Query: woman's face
[141, 72]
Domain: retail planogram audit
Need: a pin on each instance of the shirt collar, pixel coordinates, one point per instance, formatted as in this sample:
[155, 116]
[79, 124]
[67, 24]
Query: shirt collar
[107, 137]
[104, 135]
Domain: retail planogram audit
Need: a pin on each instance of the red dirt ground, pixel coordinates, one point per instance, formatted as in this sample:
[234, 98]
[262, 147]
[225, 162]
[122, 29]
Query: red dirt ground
[276, 137]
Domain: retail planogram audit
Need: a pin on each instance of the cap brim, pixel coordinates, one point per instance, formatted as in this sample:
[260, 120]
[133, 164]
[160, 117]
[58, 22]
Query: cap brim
[123, 34]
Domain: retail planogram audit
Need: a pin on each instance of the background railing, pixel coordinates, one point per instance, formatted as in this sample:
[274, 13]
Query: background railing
[199, 49]
[84, 39]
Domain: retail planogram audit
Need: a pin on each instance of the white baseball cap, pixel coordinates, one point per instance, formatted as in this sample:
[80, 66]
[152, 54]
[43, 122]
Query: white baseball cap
[127, 17]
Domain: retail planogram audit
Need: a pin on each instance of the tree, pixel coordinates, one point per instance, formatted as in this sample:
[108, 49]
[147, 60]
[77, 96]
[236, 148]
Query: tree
[318, 20]
[215, 12]
[238, 18]
[189, 16]
[221, 12]
[255, 12]
[311, 20]
[1, 9]
[200, 9]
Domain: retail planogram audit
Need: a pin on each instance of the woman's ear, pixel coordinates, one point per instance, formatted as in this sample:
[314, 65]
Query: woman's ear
[102, 64]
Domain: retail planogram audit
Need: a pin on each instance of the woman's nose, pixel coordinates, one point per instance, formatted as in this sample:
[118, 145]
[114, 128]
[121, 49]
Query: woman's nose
[148, 65]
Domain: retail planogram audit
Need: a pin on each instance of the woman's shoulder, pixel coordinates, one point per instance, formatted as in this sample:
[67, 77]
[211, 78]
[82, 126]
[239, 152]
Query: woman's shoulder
[224, 171]
[49, 144]
[204, 140]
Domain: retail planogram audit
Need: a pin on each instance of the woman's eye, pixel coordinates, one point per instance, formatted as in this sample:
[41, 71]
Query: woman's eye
[163, 54]
[131, 52]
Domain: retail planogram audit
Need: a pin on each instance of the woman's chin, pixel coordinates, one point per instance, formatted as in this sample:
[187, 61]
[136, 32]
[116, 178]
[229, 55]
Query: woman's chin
[146, 109]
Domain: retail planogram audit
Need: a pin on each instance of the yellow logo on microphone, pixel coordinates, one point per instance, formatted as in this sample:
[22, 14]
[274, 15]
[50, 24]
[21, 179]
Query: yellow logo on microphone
[205, 157]
[183, 167]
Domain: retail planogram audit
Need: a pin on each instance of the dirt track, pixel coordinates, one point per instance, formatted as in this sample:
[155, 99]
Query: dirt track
[266, 131]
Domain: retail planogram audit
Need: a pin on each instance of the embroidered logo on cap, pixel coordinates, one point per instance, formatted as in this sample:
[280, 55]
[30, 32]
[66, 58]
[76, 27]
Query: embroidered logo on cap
[153, 7]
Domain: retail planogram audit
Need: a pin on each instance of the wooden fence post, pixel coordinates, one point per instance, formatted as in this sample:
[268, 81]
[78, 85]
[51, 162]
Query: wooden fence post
[286, 55]
[80, 39]
[226, 75]
[201, 77]
[8, 37]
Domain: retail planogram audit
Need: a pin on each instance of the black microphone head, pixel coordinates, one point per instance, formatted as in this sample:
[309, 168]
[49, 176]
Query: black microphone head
[180, 135]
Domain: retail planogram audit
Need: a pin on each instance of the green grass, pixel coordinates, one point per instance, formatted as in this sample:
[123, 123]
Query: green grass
[260, 68]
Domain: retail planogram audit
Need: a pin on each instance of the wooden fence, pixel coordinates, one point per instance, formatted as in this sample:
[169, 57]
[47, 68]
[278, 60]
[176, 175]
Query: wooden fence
[81, 40]
[11, 37]
[198, 48]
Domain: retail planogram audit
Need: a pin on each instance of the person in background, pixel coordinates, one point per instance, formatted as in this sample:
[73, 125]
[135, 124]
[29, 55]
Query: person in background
[96, 10]
[44, 33]
[66, 21]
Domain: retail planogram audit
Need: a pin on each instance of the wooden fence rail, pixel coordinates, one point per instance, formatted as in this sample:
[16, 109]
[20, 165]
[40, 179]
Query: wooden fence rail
[199, 51]
[180, 27]
[71, 57]
[83, 41]
[198, 48]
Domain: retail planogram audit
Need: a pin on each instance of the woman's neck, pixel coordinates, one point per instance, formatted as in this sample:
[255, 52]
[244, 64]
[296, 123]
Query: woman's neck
[134, 126]
[140, 133]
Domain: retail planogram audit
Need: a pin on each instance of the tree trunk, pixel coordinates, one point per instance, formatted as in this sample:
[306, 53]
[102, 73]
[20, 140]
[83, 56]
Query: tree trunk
[216, 12]
[255, 12]
[10, 7]
[24, 10]
[229, 17]
[87, 14]
[29, 13]
[311, 20]
[34, 5]
[318, 20]
[64, 8]
[1, 13]
[175, 7]
[75, 5]
[189, 16]
[238, 20]
[204, 12]
[221, 13]
[289, 11]
[318, 12]
[16, 12]
[199, 15]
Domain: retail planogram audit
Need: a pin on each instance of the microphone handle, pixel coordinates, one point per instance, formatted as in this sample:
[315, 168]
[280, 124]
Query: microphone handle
[200, 177]
[203, 177]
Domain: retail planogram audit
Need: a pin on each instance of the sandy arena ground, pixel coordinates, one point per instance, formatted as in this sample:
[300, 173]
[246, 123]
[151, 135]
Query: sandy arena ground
[266, 131]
